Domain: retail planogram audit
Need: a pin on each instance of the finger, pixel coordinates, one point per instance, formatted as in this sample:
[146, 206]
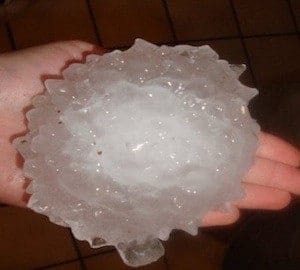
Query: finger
[215, 218]
[274, 174]
[43, 60]
[12, 181]
[262, 197]
[272, 147]
[256, 197]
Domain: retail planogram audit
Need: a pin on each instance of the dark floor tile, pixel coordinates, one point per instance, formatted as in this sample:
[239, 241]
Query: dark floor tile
[259, 17]
[231, 50]
[288, 120]
[121, 21]
[277, 110]
[275, 60]
[187, 252]
[296, 11]
[29, 240]
[264, 108]
[86, 250]
[11, 8]
[4, 40]
[50, 20]
[275, 63]
[66, 266]
[269, 240]
[196, 20]
[113, 261]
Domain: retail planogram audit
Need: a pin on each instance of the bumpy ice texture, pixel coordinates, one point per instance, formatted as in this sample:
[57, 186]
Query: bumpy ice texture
[133, 144]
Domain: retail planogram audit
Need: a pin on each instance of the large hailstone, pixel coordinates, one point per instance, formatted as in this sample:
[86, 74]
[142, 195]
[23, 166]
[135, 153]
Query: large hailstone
[133, 144]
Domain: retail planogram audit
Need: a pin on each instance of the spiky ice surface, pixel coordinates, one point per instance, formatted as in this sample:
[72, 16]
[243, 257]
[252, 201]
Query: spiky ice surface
[133, 144]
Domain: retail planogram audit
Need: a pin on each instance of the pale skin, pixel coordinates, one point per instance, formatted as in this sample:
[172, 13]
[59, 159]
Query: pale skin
[268, 185]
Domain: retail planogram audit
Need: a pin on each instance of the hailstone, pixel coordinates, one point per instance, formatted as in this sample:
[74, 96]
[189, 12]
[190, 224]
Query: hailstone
[131, 145]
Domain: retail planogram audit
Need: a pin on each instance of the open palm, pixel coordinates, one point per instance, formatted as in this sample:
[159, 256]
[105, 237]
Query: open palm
[268, 184]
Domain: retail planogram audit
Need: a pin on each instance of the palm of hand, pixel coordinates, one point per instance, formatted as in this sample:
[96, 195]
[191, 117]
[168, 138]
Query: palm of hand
[268, 184]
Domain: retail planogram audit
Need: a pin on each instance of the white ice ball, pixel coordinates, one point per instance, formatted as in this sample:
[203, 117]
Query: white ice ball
[133, 144]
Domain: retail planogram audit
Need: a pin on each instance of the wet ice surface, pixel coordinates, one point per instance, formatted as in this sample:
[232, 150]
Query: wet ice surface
[133, 144]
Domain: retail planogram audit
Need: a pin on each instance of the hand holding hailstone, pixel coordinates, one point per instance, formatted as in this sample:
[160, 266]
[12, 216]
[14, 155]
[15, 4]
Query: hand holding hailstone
[130, 145]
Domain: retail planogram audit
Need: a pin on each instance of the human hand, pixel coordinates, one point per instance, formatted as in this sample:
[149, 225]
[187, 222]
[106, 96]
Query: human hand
[21, 74]
[268, 184]
[274, 176]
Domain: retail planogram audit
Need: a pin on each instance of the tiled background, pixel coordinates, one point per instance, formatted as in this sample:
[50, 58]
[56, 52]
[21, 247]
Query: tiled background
[264, 34]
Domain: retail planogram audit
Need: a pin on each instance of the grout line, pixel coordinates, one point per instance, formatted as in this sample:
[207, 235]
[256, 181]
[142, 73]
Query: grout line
[293, 15]
[210, 39]
[169, 18]
[248, 58]
[96, 31]
[10, 36]
[242, 38]
[56, 264]
[100, 253]
[240, 35]
[75, 260]
[166, 263]
[82, 265]
[270, 35]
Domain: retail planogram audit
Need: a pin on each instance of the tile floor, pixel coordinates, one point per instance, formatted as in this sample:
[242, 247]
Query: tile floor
[264, 34]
